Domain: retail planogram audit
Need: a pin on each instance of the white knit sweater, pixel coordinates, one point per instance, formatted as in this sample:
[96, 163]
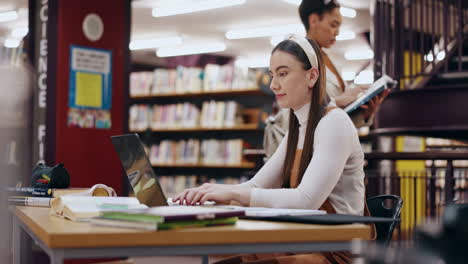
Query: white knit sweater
[335, 171]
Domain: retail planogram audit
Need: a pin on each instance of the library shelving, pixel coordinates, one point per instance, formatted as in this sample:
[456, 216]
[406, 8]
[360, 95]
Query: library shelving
[197, 122]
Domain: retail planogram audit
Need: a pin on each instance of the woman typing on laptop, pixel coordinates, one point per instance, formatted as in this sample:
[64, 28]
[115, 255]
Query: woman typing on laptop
[319, 163]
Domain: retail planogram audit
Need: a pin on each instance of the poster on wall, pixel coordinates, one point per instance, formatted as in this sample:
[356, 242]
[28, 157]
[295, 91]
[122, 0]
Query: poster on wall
[90, 88]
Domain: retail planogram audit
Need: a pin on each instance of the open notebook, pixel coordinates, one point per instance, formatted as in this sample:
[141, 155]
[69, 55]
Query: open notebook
[265, 212]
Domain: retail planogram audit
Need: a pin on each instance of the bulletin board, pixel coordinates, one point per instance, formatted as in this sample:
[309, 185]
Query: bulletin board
[90, 78]
[90, 88]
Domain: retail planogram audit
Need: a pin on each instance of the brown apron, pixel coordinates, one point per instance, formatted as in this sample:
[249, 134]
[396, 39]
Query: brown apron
[329, 64]
[338, 257]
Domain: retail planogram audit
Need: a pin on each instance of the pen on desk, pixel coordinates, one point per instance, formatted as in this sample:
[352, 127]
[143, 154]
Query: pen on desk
[31, 191]
[29, 201]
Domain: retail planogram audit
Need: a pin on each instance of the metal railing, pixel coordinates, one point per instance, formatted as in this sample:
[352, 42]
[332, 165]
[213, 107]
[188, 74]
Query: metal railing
[415, 40]
[424, 192]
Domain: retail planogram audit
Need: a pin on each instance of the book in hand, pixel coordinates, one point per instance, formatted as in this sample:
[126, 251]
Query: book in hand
[384, 82]
[82, 208]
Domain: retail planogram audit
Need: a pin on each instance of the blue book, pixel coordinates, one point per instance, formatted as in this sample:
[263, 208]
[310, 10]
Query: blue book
[384, 82]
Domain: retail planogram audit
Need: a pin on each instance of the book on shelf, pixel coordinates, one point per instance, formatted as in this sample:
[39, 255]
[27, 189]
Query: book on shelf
[213, 114]
[183, 80]
[175, 184]
[82, 208]
[194, 151]
[383, 83]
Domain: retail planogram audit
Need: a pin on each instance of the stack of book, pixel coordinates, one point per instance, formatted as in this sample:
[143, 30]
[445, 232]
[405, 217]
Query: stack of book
[169, 217]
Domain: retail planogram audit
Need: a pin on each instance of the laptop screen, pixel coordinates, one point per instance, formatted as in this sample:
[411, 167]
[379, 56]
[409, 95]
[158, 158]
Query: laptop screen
[143, 181]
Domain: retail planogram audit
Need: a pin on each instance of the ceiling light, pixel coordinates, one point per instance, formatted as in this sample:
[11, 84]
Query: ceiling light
[19, 33]
[176, 7]
[347, 12]
[154, 43]
[440, 56]
[429, 57]
[8, 16]
[254, 62]
[346, 35]
[364, 77]
[348, 75]
[275, 40]
[294, 2]
[266, 31]
[11, 43]
[359, 54]
[191, 49]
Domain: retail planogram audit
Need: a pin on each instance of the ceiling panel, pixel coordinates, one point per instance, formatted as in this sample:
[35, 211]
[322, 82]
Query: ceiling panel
[212, 25]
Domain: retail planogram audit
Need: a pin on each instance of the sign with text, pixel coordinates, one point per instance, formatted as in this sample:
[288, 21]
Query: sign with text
[90, 78]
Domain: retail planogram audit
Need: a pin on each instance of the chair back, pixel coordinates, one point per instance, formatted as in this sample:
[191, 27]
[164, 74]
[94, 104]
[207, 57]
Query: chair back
[385, 206]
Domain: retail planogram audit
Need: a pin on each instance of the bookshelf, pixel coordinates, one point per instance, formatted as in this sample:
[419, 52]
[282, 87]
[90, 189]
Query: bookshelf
[197, 128]
[246, 127]
[243, 165]
[241, 92]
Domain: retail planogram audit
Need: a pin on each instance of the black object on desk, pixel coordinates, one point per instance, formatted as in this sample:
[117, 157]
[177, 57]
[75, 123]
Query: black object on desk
[326, 219]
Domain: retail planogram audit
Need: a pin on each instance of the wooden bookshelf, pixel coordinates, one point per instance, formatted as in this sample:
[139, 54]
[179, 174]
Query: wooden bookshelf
[246, 92]
[243, 165]
[246, 127]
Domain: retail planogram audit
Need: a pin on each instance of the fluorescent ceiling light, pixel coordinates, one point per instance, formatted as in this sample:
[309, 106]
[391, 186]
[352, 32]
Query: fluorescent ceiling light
[294, 2]
[11, 43]
[266, 31]
[154, 43]
[347, 12]
[177, 7]
[440, 56]
[348, 75]
[430, 58]
[191, 49]
[359, 54]
[8, 16]
[346, 35]
[275, 40]
[19, 33]
[254, 62]
[364, 77]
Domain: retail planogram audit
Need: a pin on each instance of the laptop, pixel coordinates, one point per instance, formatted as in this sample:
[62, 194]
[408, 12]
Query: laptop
[147, 189]
[143, 181]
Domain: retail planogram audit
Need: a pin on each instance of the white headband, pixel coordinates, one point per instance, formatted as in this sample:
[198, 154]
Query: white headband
[306, 47]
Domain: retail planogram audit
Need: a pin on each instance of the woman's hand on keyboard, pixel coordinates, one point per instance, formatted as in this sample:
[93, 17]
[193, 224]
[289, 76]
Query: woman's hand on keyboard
[219, 193]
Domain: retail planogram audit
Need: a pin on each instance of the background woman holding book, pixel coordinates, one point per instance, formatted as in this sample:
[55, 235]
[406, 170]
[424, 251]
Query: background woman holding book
[319, 163]
[322, 21]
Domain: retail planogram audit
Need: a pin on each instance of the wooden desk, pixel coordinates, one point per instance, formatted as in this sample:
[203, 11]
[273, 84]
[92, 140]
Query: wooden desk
[62, 239]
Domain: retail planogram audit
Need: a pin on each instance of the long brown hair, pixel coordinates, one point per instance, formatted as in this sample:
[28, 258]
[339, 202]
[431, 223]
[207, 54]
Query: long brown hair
[319, 101]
